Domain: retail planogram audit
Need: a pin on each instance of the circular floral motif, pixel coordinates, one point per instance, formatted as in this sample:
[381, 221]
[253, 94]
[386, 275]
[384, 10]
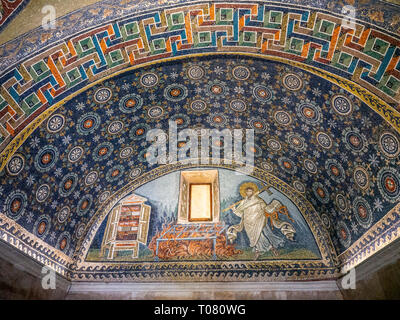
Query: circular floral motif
[344, 234]
[126, 152]
[115, 127]
[181, 120]
[198, 106]
[217, 119]
[241, 73]
[15, 204]
[16, 164]
[216, 88]
[361, 178]
[175, 92]
[155, 112]
[309, 112]
[262, 93]
[362, 212]
[84, 205]
[80, 231]
[253, 148]
[267, 166]
[292, 82]
[42, 226]
[320, 192]
[75, 154]
[326, 221]
[149, 79]
[55, 123]
[195, 72]
[46, 158]
[103, 197]
[91, 178]
[102, 95]
[259, 125]
[324, 140]
[68, 184]
[389, 144]
[145, 154]
[296, 141]
[342, 105]
[139, 131]
[134, 173]
[115, 173]
[102, 151]
[282, 118]
[42, 193]
[287, 165]
[310, 166]
[354, 141]
[130, 103]
[274, 144]
[389, 184]
[299, 186]
[88, 123]
[238, 105]
[335, 170]
[63, 241]
[63, 214]
[341, 202]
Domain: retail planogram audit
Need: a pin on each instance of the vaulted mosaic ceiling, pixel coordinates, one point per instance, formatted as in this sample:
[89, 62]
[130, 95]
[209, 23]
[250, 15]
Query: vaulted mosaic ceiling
[321, 98]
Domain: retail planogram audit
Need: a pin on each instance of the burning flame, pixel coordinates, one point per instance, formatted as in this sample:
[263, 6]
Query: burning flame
[181, 249]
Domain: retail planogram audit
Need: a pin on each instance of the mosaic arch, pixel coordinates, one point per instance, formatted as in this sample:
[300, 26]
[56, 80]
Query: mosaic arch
[322, 99]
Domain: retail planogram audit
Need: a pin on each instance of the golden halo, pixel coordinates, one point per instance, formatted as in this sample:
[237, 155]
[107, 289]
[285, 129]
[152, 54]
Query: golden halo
[245, 186]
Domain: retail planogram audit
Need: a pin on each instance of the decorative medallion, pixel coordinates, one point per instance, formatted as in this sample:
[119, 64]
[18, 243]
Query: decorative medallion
[198, 106]
[389, 145]
[335, 170]
[68, 184]
[15, 204]
[102, 95]
[283, 118]
[103, 151]
[84, 205]
[55, 123]
[389, 184]
[324, 140]
[88, 123]
[241, 73]
[320, 192]
[342, 105]
[292, 82]
[42, 193]
[262, 93]
[238, 105]
[195, 72]
[75, 154]
[115, 127]
[63, 214]
[361, 178]
[175, 92]
[130, 103]
[16, 164]
[149, 79]
[46, 158]
[362, 211]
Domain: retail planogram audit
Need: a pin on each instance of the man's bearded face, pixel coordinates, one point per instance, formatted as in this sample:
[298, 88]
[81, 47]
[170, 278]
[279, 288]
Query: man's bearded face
[249, 192]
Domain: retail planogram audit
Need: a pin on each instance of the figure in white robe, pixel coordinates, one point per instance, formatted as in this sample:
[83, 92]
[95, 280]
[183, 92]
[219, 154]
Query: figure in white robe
[252, 211]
